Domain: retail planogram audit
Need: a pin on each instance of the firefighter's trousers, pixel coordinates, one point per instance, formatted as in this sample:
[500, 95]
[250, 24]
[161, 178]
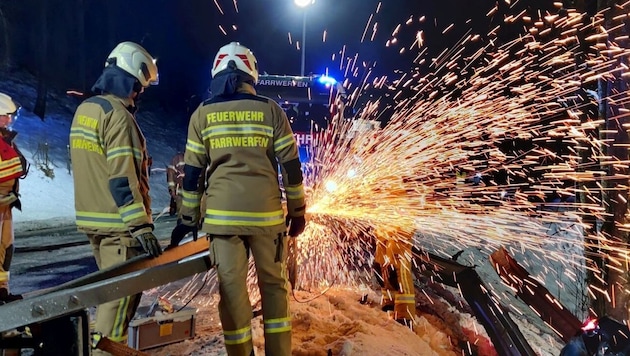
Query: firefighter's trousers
[230, 257]
[392, 260]
[6, 245]
[112, 318]
[6, 233]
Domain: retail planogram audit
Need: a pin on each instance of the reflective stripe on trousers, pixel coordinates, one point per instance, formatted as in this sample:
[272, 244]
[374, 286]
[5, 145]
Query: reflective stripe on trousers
[235, 337]
[112, 318]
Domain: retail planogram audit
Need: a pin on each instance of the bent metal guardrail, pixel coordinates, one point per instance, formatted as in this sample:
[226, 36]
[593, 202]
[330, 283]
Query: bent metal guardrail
[504, 333]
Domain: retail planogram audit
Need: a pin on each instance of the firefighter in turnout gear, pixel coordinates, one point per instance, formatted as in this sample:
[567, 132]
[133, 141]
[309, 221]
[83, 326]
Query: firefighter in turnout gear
[174, 179]
[12, 167]
[111, 178]
[392, 268]
[243, 138]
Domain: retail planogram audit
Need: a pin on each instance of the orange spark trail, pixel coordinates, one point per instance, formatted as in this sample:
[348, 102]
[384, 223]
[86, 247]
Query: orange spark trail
[517, 114]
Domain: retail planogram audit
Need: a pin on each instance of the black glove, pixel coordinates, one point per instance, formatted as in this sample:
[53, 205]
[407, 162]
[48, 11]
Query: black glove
[172, 208]
[17, 204]
[149, 244]
[296, 225]
[180, 231]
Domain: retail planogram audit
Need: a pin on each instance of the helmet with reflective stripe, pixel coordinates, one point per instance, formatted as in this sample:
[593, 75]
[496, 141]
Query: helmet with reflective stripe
[7, 105]
[242, 58]
[135, 60]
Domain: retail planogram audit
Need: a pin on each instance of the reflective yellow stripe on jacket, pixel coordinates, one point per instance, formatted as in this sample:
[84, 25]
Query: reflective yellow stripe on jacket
[239, 129]
[224, 217]
[190, 199]
[104, 220]
[283, 142]
[124, 151]
[294, 192]
[132, 211]
[195, 147]
[10, 167]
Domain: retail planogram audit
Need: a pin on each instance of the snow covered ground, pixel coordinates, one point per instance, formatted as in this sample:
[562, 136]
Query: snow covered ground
[334, 321]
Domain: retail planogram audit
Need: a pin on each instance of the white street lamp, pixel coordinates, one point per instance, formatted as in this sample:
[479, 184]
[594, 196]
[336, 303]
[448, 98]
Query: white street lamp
[303, 4]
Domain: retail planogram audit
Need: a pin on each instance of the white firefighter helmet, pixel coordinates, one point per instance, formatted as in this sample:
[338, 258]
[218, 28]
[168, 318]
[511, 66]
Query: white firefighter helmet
[7, 105]
[135, 60]
[243, 58]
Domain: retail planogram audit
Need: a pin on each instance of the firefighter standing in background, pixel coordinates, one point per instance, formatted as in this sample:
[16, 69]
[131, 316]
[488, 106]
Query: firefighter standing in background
[12, 167]
[392, 267]
[243, 138]
[110, 170]
[174, 178]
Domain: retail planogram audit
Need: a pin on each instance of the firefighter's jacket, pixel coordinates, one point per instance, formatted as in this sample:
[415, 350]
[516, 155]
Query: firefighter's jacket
[110, 167]
[242, 139]
[175, 174]
[12, 167]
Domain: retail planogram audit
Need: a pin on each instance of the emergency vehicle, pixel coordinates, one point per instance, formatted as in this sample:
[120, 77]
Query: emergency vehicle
[309, 101]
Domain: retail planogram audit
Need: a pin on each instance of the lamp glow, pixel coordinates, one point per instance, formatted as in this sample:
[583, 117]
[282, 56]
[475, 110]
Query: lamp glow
[326, 80]
[303, 3]
[331, 186]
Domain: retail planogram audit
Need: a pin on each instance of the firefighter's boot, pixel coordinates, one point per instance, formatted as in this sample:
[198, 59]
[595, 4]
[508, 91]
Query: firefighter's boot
[6, 297]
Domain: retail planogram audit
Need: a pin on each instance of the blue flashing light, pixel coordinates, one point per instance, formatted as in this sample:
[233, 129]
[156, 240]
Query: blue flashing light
[304, 154]
[324, 79]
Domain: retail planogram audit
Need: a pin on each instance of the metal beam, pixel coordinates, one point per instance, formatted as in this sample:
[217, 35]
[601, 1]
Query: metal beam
[134, 264]
[66, 301]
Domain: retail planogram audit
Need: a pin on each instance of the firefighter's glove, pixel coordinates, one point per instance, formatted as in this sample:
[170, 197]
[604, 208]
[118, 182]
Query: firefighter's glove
[10, 200]
[192, 224]
[296, 225]
[180, 231]
[172, 208]
[149, 244]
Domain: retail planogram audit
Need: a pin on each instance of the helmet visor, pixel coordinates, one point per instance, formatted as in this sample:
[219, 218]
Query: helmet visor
[7, 120]
[147, 75]
[14, 116]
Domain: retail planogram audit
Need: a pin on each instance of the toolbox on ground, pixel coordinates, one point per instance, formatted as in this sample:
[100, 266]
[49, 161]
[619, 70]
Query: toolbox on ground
[146, 331]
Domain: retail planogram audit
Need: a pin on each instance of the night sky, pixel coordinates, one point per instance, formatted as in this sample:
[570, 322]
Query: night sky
[184, 35]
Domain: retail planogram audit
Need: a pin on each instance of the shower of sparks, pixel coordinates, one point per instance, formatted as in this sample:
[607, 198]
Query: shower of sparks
[366, 27]
[521, 107]
[526, 107]
[216, 3]
[222, 30]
